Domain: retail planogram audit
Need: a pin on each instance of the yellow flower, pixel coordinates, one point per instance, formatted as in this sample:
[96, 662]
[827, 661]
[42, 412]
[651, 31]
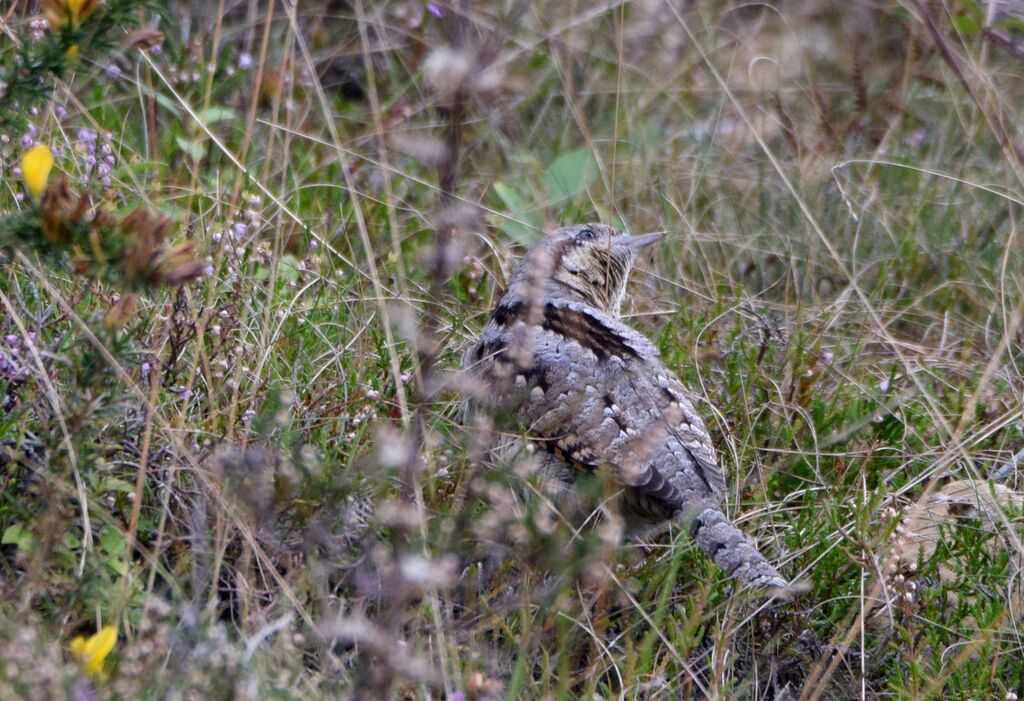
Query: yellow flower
[90, 652]
[61, 12]
[35, 168]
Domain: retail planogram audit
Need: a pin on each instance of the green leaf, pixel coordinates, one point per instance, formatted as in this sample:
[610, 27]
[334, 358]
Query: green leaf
[195, 149]
[117, 566]
[509, 197]
[967, 25]
[523, 226]
[569, 175]
[18, 536]
[112, 541]
[114, 484]
[288, 269]
[166, 103]
[212, 115]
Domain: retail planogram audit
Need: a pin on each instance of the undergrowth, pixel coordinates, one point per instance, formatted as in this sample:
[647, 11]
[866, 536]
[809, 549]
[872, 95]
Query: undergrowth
[232, 458]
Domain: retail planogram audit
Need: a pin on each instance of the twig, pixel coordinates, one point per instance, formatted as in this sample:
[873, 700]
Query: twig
[147, 436]
[1003, 41]
[371, 679]
[265, 632]
[1006, 470]
[991, 116]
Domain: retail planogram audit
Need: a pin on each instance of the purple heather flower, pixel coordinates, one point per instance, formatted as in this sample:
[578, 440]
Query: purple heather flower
[239, 230]
[245, 60]
[27, 141]
[59, 111]
[112, 71]
[11, 339]
[37, 29]
[433, 9]
[86, 135]
[146, 367]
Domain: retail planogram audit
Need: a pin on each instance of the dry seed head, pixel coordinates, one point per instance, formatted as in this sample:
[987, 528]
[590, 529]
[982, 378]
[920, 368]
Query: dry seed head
[425, 149]
[446, 70]
[423, 572]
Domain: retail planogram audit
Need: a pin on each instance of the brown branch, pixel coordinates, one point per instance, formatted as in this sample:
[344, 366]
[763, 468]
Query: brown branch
[1003, 40]
[950, 57]
[376, 673]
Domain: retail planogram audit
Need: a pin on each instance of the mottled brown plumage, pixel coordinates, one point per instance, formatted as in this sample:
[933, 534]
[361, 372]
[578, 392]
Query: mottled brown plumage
[594, 393]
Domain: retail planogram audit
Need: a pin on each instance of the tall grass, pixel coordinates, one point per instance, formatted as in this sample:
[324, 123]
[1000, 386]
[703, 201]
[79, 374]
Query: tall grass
[261, 479]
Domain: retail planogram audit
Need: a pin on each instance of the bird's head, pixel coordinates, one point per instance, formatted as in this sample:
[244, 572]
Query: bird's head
[589, 261]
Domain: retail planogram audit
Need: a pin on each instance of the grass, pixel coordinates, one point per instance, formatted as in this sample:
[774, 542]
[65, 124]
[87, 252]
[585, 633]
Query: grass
[261, 479]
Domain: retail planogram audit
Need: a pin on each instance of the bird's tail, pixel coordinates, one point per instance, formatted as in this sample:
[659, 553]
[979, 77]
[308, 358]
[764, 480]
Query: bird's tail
[732, 552]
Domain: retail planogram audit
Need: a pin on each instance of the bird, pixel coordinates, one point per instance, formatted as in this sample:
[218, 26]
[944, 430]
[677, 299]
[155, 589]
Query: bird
[593, 395]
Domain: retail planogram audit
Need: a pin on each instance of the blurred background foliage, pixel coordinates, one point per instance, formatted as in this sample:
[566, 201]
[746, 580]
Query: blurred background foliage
[248, 478]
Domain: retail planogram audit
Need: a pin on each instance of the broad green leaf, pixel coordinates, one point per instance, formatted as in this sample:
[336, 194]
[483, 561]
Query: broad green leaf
[524, 225]
[967, 25]
[195, 149]
[113, 484]
[166, 103]
[112, 541]
[212, 115]
[569, 175]
[18, 536]
[509, 197]
[288, 269]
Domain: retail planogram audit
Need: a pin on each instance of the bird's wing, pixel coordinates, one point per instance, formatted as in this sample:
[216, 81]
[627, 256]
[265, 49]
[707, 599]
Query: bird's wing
[597, 393]
[689, 428]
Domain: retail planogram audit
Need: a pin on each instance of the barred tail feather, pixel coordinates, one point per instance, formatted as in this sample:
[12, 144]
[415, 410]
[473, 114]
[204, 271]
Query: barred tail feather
[730, 550]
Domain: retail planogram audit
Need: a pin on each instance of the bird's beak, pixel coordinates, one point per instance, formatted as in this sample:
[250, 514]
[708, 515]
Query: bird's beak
[638, 242]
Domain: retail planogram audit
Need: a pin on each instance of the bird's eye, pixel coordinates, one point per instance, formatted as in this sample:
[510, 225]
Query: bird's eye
[586, 235]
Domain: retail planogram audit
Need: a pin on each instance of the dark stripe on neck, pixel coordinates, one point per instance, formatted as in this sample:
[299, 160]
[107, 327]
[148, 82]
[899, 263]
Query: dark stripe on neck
[586, 330]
